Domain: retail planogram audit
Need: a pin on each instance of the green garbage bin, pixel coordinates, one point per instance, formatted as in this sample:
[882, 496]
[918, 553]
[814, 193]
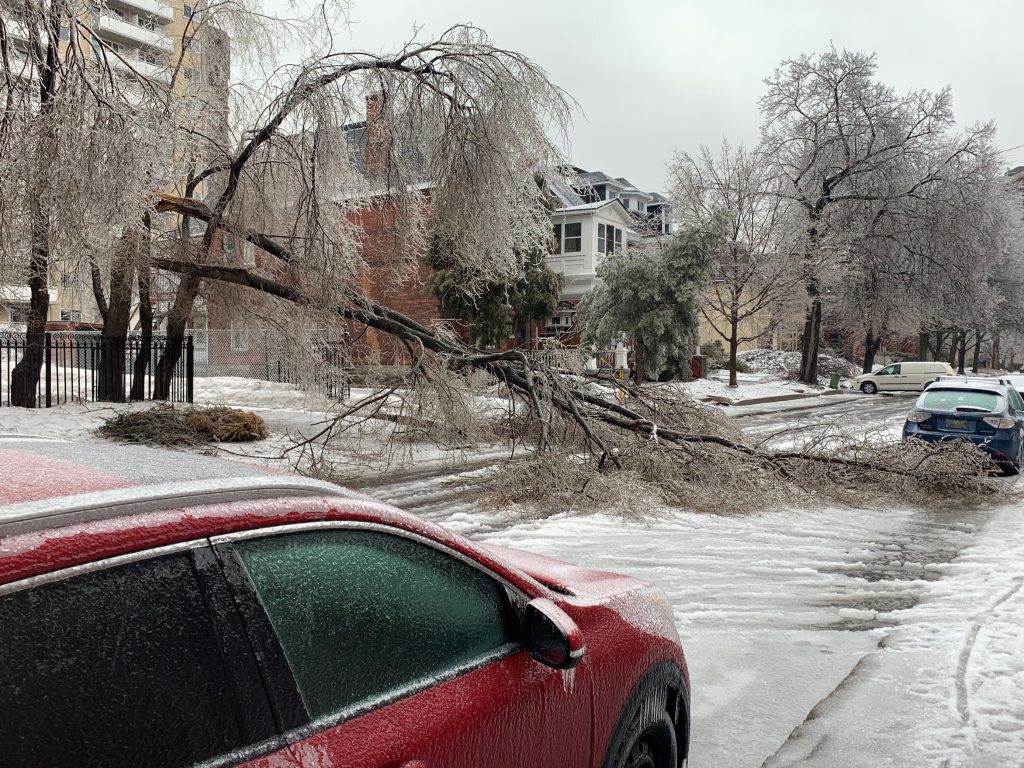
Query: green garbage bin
[833, 381]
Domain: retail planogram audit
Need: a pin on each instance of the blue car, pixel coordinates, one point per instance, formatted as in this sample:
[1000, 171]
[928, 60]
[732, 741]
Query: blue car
[989, 415]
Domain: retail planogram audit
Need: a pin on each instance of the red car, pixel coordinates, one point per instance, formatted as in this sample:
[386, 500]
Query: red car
[161, 609]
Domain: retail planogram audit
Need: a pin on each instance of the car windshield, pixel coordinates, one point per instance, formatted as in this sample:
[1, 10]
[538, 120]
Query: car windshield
[960, 399]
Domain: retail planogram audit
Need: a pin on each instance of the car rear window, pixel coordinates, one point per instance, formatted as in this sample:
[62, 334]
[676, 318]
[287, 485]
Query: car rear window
[952, 399]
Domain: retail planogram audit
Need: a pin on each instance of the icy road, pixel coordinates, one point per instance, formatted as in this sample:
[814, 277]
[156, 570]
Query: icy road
[828, 637]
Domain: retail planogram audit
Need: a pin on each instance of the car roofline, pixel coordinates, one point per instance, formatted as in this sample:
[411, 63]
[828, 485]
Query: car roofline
[58, 511]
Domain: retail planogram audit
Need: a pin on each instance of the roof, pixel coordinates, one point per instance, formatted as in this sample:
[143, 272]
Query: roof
[50, 483]
[971, 383]
[563, 192]
[585, 207]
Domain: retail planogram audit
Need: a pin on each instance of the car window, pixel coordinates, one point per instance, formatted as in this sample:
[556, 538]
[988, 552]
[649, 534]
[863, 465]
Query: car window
[119, 667]
[1015, 400]
[363, 615]
[951, 399]
[890, 370]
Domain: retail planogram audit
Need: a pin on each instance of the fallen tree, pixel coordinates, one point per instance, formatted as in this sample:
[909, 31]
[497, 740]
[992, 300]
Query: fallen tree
[680, 451]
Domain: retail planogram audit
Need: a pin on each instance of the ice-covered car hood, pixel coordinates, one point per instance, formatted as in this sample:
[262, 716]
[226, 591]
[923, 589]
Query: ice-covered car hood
[564, 577]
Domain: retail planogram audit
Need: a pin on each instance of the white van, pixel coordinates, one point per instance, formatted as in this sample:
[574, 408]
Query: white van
[906, 376]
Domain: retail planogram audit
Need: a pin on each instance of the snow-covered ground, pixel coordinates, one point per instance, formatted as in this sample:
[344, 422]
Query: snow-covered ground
[819, 637]
[750, 386]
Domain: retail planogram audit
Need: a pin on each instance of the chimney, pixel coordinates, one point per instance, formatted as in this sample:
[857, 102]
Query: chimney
[378, 138]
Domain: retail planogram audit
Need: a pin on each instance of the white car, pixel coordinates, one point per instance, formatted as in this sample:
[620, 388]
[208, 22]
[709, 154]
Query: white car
[911, 376]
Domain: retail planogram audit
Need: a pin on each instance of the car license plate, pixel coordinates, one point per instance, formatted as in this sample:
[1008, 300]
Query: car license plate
[961, 424]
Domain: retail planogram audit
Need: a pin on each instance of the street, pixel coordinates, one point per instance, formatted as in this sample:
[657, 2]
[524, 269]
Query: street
[815, 636]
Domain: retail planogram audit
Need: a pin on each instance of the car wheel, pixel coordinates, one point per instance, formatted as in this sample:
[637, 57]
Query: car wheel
[654, 747]
[1011, 468]
[868, 388]
[647, 735]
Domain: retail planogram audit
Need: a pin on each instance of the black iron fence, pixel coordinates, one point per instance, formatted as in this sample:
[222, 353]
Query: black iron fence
[86, 367]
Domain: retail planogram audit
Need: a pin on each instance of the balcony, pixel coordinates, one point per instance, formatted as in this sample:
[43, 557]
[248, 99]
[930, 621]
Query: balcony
[17, 31]
[149, 8]
[111, 25]
[155, 72]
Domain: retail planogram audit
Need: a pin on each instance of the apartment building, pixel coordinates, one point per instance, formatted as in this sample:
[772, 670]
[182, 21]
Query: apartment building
[150, 44]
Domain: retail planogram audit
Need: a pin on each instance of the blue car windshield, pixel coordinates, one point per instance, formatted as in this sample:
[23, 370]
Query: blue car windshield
[954, 399]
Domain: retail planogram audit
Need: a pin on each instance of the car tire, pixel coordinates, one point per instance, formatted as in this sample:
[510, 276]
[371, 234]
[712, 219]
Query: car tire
[646, 735]
[868, 388]
[1011, 468]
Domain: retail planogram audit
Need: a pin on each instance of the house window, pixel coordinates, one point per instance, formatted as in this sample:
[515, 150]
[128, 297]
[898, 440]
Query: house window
[249, 255]
[117, 47]
[239, 336]
[190, 13]
[191, 44]
[71, 315]
[573, 237]
[151, 58]
[610, 241]
[558, 239]
[19, 316]
[147, 24]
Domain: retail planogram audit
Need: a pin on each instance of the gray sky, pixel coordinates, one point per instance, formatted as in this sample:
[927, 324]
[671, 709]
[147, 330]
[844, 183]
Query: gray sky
[663, 76]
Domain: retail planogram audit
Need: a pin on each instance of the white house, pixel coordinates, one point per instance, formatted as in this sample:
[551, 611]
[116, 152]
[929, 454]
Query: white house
[597, 216]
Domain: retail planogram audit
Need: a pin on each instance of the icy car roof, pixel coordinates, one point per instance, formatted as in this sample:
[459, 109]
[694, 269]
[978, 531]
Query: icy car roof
[49, 483]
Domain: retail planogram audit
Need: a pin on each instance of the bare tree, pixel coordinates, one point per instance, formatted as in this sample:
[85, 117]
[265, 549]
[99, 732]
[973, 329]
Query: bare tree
[456, 130]
[850, 151]
[76, 152]
[753, 274]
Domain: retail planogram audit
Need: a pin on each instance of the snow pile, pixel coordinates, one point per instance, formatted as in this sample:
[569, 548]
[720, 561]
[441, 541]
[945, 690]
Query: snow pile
[786, 365]
[749, 386]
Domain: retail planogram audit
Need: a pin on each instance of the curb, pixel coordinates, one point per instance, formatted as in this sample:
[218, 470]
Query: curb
[720, 400]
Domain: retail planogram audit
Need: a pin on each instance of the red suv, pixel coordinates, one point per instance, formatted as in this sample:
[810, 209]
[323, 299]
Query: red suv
[160, 609]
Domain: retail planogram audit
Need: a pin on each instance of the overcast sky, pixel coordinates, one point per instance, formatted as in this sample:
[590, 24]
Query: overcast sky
[663, 76]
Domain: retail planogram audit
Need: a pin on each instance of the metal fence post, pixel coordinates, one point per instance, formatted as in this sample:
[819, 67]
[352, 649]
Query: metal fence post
[190, 369]
[49, 383]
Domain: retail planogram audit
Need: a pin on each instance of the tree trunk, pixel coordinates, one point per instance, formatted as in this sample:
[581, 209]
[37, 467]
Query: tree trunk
[26, 374]
[177, 323]
[940, 339]
[110, 382]
[734, 323]
[923, 345]
[977, 351]
[871, 345]
[810, 341]
[996, 362]
[143, 358]
[961, 352]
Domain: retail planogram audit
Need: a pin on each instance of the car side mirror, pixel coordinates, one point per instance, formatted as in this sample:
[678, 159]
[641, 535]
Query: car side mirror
[552, 637]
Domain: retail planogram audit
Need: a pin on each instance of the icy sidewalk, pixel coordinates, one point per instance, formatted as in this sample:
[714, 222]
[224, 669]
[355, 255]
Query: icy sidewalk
[947, 688]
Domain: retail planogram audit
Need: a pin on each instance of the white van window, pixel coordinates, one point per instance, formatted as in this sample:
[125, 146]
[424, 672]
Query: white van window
[890, 370]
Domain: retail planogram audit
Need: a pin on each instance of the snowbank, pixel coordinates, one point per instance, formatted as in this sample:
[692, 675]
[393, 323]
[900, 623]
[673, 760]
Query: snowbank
[786, 365]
